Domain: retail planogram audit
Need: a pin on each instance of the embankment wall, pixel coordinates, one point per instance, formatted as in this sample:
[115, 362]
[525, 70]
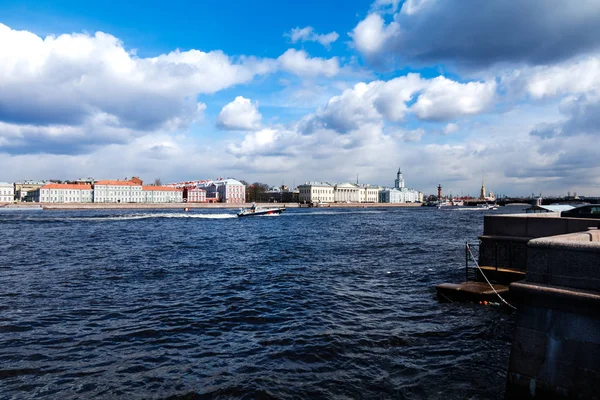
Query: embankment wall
[555, 352]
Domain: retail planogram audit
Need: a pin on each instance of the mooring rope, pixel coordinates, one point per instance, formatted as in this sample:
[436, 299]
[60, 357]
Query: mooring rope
[486, 279]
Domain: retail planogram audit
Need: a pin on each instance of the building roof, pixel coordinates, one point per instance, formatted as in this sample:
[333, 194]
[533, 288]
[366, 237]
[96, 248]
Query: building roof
[5, 184]
[550, 208]
[227, 181]
[31, 182]
[160, 189]
[66, 186]
[115, 183]
[323, 184]
[346, 185]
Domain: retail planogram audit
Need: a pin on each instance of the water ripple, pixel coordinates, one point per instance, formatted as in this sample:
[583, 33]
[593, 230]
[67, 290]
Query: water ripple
[198, 305]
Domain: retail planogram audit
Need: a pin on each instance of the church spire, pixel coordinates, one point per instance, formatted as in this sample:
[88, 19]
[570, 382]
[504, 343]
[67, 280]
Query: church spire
[482, 194]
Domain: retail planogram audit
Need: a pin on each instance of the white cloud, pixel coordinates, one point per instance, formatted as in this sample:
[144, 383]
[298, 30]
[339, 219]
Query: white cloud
[300, 63]
[408, 136]
[308, 34]
[240, 114]
[371, 35]
[351, 109]
[89, 99]
[572, 77]
[370, 102]
[71, 79]
[385, 6]
[450, 128]
[445, 99]
[410, 7]
[480, 34]
[255, 143]
[437, 99]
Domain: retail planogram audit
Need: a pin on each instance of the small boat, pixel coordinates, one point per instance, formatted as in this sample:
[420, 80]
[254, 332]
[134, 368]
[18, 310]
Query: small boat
[256, 211]
[487, 206]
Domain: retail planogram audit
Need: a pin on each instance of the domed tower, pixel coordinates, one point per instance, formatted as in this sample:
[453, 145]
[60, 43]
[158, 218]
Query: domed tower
[399, 182]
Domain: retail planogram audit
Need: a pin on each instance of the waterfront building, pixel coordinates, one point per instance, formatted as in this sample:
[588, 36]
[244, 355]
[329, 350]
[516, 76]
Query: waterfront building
[316, 192]
[23, 188]
[161, 194]
[325, 192]
[279, 195]
[369, 194]
[346, 193]
[63, 193]
[136, 180]
[7, 192]
[84, 181]
[224, 190]
[399, 193]
[194, 195]
[114, 191]
[392, 196]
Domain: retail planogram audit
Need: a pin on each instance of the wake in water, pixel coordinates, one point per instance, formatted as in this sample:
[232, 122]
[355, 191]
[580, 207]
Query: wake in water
[127, 217]
[185, 215]
[154, 215]
[338, 212]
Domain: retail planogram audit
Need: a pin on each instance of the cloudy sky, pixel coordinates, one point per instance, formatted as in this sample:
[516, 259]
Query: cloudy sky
[286, 92]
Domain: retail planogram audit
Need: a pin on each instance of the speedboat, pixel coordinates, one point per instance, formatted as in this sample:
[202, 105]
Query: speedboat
[256, 211]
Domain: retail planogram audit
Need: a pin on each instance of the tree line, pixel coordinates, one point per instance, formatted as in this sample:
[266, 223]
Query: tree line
[254, 190]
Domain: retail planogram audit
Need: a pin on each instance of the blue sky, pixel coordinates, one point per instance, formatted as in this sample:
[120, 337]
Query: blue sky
[277, 91]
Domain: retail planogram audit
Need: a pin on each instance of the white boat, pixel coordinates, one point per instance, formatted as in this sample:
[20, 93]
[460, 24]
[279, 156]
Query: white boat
[256, 211]
[442, 204]
[487, 206]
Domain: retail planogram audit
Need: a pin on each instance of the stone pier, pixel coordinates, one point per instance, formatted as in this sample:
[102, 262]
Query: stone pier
[556, 347]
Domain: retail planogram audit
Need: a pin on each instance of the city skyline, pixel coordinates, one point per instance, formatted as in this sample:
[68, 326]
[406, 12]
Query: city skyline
[282, 92]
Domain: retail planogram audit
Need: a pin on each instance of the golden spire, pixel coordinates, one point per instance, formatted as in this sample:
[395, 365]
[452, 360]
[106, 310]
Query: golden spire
[482, 194]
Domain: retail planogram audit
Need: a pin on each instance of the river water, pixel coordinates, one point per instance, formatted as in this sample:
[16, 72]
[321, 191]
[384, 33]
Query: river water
[315, 303]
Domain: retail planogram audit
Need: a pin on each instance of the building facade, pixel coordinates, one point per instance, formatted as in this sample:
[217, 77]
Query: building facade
[225, 190]
[63, 193]
[399, 193]
[325, 192]
[23, 188]
[7, 192]
[279, 195]
[161, 194]
[109, 191]
[369, 194]
[346, 193]
[194, 195]
[316, 192]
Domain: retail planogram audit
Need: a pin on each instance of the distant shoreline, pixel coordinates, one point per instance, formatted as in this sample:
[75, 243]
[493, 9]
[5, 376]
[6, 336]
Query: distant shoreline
[171, 206]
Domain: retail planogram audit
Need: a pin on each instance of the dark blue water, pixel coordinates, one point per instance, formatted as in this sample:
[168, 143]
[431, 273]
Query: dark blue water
[315, 303]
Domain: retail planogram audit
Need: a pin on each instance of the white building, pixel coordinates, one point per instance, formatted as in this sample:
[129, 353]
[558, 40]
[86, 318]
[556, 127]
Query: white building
[399, 193]
[108, 191]
[225, 190]
[63, 193]
[162, 194]
[316, 192]
[346, 193]
[7, 192]
[325, 192]
[369, 194]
